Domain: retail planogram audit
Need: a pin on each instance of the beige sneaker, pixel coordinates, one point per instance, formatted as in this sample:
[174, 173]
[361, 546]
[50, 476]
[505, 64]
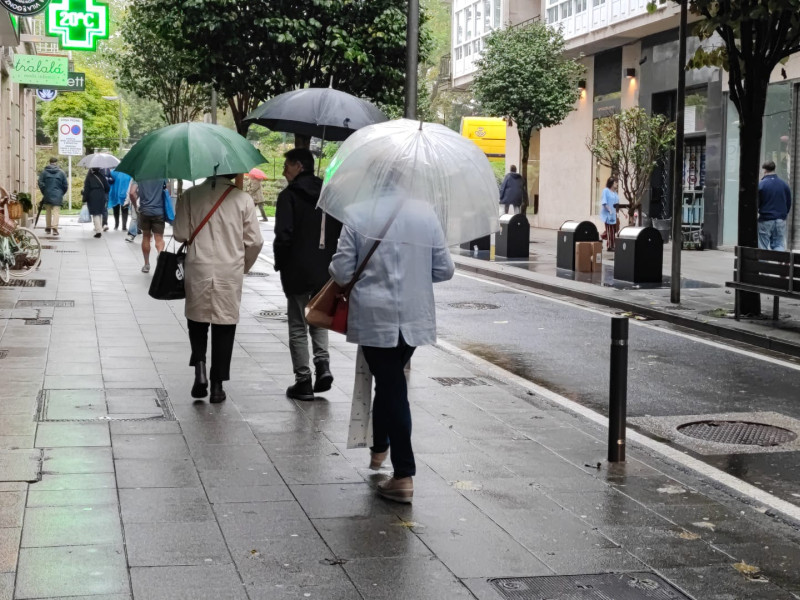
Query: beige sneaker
[399, 490]
[376, 460]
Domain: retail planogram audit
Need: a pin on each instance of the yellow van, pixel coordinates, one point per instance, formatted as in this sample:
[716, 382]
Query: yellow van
[489, 133]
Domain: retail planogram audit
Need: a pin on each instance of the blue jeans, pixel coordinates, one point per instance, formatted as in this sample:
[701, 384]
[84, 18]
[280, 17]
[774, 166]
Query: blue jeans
[391, 414]
[772, 234]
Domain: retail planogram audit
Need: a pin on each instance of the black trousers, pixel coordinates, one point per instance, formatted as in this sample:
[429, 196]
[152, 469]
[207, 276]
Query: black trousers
[391, 414]
[222, 337]
[124, 210]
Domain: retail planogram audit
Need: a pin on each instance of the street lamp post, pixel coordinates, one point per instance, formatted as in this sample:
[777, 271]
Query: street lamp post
[117, 99]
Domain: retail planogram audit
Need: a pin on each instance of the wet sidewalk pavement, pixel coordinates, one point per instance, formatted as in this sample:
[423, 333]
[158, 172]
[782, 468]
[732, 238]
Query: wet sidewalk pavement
[146, 494]
[706, 304]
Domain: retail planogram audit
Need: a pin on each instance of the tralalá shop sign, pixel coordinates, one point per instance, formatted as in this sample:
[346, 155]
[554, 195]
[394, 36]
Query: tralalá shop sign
[24, 8]
[49, 71]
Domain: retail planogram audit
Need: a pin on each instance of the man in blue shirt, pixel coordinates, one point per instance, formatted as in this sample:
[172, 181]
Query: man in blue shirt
[150, 210]
[774, 203]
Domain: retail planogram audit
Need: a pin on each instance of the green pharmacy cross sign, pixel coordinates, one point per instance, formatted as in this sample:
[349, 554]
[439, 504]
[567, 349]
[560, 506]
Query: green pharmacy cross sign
[79, 23]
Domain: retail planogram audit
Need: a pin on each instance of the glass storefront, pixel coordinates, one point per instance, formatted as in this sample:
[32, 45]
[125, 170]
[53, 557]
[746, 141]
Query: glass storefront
[776, 145]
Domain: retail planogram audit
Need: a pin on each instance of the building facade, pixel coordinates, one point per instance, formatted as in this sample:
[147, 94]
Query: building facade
[17, 112]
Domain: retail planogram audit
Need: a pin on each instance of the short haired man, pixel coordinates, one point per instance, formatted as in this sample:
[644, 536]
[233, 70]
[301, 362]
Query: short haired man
[774, 204]
[151, 216]
[511, 190]
[53, 185]
[303, 266]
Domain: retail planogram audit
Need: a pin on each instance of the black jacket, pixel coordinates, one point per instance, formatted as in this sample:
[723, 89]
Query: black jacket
[302, 264]
[53, 185]
[511, 189]
[95, 192]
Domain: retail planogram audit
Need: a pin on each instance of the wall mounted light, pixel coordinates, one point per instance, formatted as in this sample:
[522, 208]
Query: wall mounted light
[582, 84]
[630, 73]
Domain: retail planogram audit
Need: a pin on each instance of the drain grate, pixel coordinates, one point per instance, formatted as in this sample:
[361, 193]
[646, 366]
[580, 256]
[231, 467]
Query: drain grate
[474, 305]
[257, 274]
[738, 432]
[44, 303]
[23, 283]
[272, 314]
[38, 321]
[68, 251]
[467, 381]
[619, 586]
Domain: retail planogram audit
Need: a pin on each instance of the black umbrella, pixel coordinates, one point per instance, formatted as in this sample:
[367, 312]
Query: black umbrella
[319, 112]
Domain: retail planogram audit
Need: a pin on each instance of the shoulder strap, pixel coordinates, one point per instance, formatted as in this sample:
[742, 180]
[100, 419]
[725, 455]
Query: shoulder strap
[211, 212]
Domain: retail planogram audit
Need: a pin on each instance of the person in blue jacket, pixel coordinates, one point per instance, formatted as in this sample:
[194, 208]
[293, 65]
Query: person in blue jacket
[608, 211]
[774, 204]
[118, 198]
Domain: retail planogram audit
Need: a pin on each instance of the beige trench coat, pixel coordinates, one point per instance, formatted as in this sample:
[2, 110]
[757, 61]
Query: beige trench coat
[222, 252]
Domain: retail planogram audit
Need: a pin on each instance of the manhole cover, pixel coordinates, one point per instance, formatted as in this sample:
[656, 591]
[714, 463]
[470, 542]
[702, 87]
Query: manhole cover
[23, 283]
[467, 381]
[139, 404]
[257, 274]
[474, 305]
[44, 303]
[37, 321]
[272, 314]
[738, 432]
[619, 586]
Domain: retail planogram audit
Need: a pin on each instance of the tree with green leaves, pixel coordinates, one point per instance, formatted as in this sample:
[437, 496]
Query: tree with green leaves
[631, 143]
[152, 72]
[524, 76]
[757, 36]
[251, 51]
[100, 117]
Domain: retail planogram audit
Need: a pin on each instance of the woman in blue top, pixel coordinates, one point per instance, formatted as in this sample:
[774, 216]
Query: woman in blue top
[608, 211]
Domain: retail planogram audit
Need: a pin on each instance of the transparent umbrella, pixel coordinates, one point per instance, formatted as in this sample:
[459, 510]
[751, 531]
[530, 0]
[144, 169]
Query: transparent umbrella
[99, 160]
[387, 175]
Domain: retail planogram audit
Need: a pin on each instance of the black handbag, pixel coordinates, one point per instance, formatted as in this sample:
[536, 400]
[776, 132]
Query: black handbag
[168, 278]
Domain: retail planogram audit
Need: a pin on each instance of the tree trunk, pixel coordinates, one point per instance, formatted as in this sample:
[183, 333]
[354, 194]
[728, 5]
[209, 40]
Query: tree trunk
[525, 144]
[751, 130]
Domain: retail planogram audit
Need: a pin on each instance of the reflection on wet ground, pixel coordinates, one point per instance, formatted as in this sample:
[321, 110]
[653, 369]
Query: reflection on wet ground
[546, 265]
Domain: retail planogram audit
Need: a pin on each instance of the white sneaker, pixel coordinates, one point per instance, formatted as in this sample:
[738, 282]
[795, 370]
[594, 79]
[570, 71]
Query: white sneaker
[146, 269]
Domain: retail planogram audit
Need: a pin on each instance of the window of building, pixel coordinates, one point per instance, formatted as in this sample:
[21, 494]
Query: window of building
[552, 14]
[608, 75]
[566, 9]
[487, 15]
[470, 22]
[459, 27]
[580, 6]
[598, 2]
[498, 13]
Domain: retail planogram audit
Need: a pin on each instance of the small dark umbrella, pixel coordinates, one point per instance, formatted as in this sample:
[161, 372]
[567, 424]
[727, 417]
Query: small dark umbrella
[319, 112]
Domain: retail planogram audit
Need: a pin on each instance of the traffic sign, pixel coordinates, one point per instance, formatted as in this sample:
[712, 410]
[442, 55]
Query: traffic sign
[70, 136]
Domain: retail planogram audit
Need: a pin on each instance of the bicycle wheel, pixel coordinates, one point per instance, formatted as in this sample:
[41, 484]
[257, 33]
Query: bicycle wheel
[27, 252]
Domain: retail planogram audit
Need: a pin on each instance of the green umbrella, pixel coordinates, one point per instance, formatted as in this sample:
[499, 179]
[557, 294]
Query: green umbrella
[190, 151]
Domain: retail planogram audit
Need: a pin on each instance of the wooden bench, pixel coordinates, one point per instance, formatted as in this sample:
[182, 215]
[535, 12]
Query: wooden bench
[765, 272]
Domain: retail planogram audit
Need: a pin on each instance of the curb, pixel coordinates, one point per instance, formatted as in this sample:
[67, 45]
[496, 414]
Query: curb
[729, 333]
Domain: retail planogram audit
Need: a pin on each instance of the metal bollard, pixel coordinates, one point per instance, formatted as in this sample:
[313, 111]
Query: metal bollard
[618, 390]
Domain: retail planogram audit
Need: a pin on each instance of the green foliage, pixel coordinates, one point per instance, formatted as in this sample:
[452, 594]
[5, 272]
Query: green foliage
[144, 115]
[100, 117]
[154, 72]
[630, 143]
[523, 75]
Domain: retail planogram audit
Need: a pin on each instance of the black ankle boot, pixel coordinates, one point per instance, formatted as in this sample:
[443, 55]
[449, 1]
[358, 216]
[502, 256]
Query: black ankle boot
[324, 376]
[217, 393]
[301, 390]
[200, 387]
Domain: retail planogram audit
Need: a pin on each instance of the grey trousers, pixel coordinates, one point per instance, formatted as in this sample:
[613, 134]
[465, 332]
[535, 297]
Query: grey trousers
[298, 337]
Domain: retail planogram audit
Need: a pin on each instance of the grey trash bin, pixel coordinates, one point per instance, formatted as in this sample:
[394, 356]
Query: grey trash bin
[639, 255]
[571, 232]
[514, 238]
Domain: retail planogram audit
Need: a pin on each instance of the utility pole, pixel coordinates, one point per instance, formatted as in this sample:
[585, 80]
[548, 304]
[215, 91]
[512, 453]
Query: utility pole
[119, 150]
[412, 59]
[677, 192]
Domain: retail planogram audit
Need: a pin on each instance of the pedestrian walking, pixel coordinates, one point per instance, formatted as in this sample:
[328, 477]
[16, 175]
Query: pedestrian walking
[119, 198]
[53, 185]
[303, 264]
[95, 196]
[225, 248]
[608, 211]
[511, 191]
[107, 173]
[257, 194]
[774, 204]
[133, 228]
[151, 216]
[391, 312]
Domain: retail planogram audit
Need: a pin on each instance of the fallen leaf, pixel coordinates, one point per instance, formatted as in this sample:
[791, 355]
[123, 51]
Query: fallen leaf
[407, 524]
[467, 486]
[688, 535]
[335, 561]
[749, 571]
[671, 489]
[705, 525]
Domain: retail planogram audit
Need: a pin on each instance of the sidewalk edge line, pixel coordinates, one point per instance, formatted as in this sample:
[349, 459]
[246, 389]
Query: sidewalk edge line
[786, 508]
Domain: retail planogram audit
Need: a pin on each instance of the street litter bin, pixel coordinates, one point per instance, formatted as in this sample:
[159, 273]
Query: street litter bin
[483, 243]
[571, 232]
[639, 255]
[514, 238]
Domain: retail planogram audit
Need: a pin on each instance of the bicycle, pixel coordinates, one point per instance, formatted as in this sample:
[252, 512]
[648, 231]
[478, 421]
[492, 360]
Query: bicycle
[20, 250]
